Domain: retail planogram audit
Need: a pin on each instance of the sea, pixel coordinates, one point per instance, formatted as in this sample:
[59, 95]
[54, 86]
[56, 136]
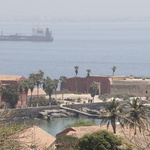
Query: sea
[97, 46]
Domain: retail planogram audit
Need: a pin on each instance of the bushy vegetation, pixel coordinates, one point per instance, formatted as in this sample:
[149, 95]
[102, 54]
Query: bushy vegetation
[101, 140]
[93, 88]
[80, 123]
[79, 100]
[65, 142]
[133, 119]
[10, 95]
[43, 101]
[7, 141]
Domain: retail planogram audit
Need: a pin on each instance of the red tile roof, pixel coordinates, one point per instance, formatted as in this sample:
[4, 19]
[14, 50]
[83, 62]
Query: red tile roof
[35, 136]
[10, 78]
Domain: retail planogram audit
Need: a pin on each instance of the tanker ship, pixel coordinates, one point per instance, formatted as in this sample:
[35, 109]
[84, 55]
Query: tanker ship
[38, 34]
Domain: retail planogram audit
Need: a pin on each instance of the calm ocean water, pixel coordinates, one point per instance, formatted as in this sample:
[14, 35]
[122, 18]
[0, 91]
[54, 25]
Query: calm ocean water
[59, 124]
[95, 46]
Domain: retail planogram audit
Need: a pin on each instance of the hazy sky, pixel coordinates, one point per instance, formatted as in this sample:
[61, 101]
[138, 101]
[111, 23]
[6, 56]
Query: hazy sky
[64, 8]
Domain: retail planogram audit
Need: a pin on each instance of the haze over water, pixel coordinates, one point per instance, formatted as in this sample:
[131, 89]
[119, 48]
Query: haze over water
[90, 45]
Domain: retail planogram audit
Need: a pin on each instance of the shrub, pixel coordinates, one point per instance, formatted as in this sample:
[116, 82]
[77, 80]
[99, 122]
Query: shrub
[6, 134]
[65, 142]
[101, 140]
[1, 106]
[80, 123]
[42, 101]
[79, 100]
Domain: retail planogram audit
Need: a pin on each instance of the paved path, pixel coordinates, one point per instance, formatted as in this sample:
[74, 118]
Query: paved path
[80, 112]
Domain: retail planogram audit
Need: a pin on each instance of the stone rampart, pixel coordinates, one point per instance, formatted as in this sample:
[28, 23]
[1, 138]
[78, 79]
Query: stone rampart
[137, 88]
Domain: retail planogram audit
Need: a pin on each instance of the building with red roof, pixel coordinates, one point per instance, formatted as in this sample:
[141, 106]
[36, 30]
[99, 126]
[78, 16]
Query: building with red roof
[13, 80]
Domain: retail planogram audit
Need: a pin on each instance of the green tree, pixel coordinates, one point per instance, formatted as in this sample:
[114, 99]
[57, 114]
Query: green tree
[31, 84]
[48, 86]
[63, 80]
[76, 72]
[80, 123]
[37, 78]
[137, 115]
[101, 140]
[114, 69]
[111, 114]
[2, 88]
[22, 87]
[93, 89]
[88, 72]
[66, 142]
[7, 139]
[11, 96]
[56, 82]
[88, 75]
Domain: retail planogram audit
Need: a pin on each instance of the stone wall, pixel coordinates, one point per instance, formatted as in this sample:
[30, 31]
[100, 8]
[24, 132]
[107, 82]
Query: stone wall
[10, 114]
[131, 87]
[84, 82]
[137, 86]
[93, 106]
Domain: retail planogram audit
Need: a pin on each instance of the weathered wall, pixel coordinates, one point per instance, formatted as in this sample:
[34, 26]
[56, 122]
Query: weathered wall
[83, 84]
[132, 87]
[111, 85]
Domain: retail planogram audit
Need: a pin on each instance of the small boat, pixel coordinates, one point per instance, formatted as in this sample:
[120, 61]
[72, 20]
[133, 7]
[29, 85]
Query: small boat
[38, 34]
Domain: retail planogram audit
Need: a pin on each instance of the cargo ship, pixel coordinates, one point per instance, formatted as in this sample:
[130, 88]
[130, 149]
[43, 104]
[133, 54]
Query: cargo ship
[38, 34]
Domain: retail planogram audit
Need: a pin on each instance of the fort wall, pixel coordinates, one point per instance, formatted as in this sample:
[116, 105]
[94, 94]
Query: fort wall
[137, 86]
[83, 84]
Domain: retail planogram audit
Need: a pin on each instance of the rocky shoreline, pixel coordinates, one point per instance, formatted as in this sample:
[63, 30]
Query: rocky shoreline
[48, 112]
[62, 113]
[56, 113]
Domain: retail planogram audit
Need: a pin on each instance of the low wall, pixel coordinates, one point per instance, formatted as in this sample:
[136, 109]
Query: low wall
[23, 113]
[32, 112]
[94, 106]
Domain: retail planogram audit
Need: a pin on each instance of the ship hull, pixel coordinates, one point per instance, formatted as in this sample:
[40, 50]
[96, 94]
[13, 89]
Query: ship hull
[25, 38]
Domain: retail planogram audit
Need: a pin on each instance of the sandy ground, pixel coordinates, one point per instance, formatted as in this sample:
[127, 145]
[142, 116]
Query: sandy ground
[83, 97]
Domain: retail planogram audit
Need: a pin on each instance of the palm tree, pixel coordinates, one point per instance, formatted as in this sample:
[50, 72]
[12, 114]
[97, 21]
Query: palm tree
[20, 86]
[55, 81]
[93, 89]
[38, 78]
[111, 114]
[88, 72]
[114, 69]
[31, 84]
[26, 87]
[48, 86]
[23, 87]
[137, 116]
[62, 82]
[88, 75]
[76, 72]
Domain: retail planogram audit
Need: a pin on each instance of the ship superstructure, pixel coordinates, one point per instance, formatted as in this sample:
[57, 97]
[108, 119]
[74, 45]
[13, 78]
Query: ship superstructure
[38, 34]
